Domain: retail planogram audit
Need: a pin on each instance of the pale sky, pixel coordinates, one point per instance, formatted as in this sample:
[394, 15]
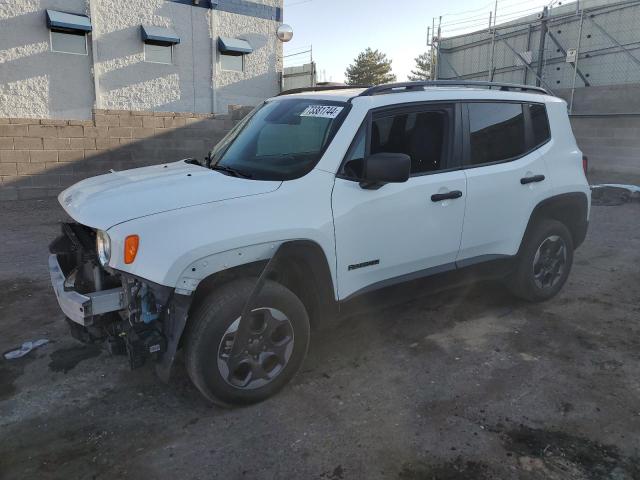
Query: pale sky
[340, 29]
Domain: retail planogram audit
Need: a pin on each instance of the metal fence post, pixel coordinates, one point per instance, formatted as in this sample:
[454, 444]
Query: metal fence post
[575, 65]
[491, 54]
[438, 48]
[434, 59]
[524, 68]
[543, 34]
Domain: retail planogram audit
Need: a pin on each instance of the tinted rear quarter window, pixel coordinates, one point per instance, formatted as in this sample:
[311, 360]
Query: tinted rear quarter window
[539, 124]
[497, 132]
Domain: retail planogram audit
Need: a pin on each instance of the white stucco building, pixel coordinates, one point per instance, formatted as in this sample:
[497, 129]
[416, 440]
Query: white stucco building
[63, 58]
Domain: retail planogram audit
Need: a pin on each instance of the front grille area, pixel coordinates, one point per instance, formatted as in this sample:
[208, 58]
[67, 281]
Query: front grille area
[75, 250]
[82, 238]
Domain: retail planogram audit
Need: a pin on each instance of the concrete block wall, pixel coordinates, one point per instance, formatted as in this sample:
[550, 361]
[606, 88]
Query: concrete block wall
[609, 99]
[41, 157]
[302, 76]
[612, 143]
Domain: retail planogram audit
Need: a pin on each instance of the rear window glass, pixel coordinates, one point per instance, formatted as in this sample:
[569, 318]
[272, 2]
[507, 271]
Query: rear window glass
[539, 123]
[497, 132]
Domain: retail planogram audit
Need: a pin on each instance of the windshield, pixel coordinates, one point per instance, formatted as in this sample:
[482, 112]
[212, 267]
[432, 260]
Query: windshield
[280, 140]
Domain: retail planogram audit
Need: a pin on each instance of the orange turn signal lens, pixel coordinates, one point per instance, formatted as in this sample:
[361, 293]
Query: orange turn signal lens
[131, 248]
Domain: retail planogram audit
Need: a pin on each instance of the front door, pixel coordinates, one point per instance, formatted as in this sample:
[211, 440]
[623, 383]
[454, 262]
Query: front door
[400, 230]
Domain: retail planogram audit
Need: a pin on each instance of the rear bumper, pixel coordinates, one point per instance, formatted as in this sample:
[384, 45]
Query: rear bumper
[82, 307]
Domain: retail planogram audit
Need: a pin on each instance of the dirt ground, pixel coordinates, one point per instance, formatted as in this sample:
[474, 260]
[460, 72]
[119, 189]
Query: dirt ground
[469, 384]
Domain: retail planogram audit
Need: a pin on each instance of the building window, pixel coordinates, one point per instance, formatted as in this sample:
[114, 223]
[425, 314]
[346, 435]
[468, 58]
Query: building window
[75, 43]
[232, 52]
[68, 32]
[158, 53]
[234, 63]
[158, 43]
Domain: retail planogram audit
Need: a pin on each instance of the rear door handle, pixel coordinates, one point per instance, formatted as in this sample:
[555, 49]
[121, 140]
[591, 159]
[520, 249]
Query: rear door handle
[533, 179]
[453, 194]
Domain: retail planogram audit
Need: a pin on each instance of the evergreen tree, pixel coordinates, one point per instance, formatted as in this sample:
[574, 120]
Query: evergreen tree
[423, 68]
[371, 67]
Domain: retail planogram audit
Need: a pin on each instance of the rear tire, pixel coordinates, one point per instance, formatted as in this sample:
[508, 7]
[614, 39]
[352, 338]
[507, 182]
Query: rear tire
[278, 343]
[543, 263]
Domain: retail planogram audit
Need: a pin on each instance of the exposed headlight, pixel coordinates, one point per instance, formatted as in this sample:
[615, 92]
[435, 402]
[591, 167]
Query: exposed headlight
[103, 247]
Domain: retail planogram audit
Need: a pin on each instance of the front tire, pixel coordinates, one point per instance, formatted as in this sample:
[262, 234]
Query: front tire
[276, 346]
[544, 262]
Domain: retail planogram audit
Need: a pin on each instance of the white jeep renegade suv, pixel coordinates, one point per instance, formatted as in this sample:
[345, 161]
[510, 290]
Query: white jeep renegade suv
[314, 198]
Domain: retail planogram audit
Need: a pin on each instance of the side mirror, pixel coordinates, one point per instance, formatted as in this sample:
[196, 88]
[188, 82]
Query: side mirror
[382, 168]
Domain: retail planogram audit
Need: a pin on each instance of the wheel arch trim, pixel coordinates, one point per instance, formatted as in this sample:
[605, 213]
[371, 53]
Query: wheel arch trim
[251, 259]
[260, 260]
[571, 208]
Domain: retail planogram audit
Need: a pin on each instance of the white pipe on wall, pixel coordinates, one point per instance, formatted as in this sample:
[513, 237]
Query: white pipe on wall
[214, 102]
[94, 52]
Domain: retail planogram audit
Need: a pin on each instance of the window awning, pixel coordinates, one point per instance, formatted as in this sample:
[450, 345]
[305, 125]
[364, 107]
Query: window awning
[67, 22]
[234, 45]
[159, 35]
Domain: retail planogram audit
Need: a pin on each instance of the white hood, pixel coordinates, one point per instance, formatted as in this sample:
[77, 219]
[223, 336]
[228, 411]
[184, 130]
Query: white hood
[106, 200]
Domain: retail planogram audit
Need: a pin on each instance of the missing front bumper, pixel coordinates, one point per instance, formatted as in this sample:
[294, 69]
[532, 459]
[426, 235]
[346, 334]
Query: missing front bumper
[82, 307]
[150, 323]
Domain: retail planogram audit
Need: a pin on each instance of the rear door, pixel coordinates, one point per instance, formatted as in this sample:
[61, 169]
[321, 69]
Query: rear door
[506, 176]
[401, 230]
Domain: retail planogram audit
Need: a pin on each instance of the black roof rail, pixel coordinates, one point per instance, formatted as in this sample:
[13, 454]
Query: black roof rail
[418, 86]
[321, 88]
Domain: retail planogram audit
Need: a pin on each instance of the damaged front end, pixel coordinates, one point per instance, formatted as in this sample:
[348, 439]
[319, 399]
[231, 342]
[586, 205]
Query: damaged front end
[132, 316]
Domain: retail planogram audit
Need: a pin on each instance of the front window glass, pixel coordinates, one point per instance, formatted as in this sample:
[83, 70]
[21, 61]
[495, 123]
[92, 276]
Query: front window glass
[420, 134]
[281, 140]
[423, 135]
[355, 158]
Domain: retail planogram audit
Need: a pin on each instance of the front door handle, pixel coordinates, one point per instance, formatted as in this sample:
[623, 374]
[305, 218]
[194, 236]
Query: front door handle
[453, 194]
[533, 179]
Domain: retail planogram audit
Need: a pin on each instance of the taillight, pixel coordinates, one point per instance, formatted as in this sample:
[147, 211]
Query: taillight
[585, 164]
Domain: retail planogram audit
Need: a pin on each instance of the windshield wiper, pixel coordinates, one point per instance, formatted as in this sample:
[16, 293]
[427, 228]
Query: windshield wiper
[231, 171]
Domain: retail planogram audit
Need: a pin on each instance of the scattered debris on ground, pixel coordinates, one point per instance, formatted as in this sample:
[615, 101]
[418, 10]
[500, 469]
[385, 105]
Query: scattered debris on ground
[25, 349]
[612, 194]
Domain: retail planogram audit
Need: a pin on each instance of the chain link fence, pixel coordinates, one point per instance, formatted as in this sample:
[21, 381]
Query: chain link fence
[569, 47]
[299, 69]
